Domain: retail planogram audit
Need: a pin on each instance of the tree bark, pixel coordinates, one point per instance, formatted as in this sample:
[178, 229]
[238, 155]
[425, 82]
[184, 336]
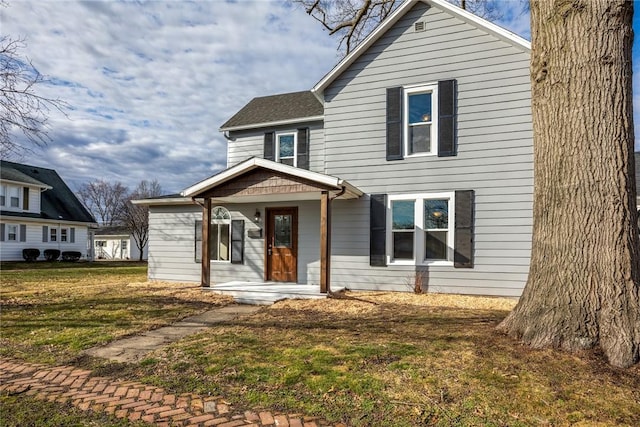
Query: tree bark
[584, 277]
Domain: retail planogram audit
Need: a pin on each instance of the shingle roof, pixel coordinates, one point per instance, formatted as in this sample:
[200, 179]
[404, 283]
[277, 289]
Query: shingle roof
[276, 108]
[58, 202]
[9, 173]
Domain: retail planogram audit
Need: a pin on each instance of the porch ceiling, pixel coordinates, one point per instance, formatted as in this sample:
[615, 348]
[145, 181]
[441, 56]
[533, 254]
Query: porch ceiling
[256, 180]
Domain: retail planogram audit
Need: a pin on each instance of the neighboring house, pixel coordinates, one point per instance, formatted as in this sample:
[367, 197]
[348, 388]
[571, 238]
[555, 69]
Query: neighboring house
[116, 243]
[39, 211]
[411, 159]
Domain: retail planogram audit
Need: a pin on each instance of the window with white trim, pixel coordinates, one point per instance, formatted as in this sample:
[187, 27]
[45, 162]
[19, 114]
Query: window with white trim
[53, 235]
[286, 148]
[421, 229]
[220, 236]
[14, 197]
[3, 195]
[420, 120]
[12, 232]
[64, 234]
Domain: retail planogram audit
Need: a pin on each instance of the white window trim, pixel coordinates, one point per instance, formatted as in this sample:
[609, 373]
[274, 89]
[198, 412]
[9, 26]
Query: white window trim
[66, 233]
[295, 146]
[17, 233]
[410, 90]
[218, 222]
[8, 197]
[419, 232]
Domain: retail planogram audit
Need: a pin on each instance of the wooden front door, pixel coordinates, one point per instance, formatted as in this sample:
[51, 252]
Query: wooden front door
[282, 244]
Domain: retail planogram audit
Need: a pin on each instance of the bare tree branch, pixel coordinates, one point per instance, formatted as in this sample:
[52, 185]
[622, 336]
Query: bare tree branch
[353, 20]
[136, 217]
[22, 109]
[105, 200]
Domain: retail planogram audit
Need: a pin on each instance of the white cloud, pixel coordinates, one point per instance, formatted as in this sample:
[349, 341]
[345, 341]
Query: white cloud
[151, 82]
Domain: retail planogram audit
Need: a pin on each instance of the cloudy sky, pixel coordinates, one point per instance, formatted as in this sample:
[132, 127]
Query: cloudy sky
[150, 82]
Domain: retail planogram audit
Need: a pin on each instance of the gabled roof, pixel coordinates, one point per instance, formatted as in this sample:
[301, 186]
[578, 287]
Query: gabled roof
[58, 201]
[276, 110]
[117, 230]
[253, 163]
[385, 25]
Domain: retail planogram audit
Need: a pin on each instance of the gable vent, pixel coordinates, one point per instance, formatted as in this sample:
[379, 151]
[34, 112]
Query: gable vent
[418, 27]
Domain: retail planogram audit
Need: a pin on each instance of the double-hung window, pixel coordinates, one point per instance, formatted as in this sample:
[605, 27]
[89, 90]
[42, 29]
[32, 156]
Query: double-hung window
[12, 232]
[3, 195]
[286, 147]
[53, 237]
[420, 124]
[64, 234]
[14, 197]
[421, 229]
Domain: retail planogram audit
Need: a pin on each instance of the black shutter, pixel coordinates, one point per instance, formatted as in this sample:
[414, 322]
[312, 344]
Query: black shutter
[2, 230]
[237, 241]
[197, 241]
[269, 146]
[45, 234]
[463, 252]
[25, 198]
[303, 148]
[378, 230]
[72, 235]
[394, 123]
[447, 118]
[23, 233]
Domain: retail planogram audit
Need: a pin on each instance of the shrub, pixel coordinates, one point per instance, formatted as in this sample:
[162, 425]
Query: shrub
[71, 255]
[30, 254]
[51, 254]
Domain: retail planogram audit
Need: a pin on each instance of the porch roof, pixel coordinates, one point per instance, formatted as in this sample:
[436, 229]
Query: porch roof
[309, 188]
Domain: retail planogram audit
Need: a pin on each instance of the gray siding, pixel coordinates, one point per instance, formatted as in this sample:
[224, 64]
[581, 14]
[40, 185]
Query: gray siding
[172, 244]
[250, 143]
[494, 151]
[12, 250]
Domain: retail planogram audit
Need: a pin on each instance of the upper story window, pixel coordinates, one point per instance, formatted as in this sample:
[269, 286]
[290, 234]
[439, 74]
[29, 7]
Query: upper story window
[420, 119]
[290, 147]
[14, 197]
[3, 195]
[421, 229]
[286, 148]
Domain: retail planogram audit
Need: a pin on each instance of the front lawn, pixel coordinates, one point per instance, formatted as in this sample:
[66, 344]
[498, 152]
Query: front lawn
[370, 359]
[53, 311]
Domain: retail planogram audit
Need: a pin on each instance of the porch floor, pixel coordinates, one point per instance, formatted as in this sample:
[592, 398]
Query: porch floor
[267, 293]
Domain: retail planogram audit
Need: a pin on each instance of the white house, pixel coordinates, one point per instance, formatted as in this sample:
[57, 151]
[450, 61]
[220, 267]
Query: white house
[39, 211]
[410, 162]
[116, 243]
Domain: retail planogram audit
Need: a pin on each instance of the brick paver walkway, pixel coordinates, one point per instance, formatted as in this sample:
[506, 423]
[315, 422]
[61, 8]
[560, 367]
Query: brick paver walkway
[134, 400]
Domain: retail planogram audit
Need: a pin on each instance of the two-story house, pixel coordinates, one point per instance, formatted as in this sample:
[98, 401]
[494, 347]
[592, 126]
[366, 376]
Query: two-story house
[39, 211]
[410, 161]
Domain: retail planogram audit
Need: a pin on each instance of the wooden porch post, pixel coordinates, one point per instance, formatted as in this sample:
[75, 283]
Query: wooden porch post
[325, 243]
[206, 262]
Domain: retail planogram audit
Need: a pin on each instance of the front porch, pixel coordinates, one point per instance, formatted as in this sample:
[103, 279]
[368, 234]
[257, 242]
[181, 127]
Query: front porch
[267, 293]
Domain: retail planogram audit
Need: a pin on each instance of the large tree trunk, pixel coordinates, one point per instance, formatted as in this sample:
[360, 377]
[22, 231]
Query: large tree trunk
[584, 278]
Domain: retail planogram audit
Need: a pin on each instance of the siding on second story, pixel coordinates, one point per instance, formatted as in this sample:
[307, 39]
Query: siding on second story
[286, 128]
[251, 143]
[21, 195]
[494, 134]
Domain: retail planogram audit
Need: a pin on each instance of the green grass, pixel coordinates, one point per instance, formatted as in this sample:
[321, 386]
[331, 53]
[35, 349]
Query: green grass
[378, 360]
[54, 311]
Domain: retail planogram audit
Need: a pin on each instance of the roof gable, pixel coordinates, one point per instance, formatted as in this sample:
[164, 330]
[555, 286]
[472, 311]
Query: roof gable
[58, 202]
[276, 109]
[392, 19]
